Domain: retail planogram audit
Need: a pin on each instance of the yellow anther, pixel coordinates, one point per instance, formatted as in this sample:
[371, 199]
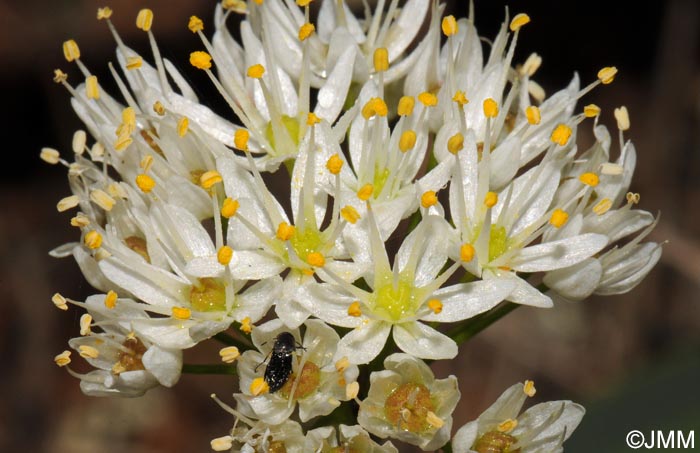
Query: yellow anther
[607, 74]
[352, 390]
[507, 425]
[529, 388]
[342, 364]
[428, 199]
[88, 352]
[381, 59]
[449, 25]
[365, 192]
[237, 6]
[602, 206]
[62, 359]
[223, 443]
[102, 199]
[67, 203]
[79, 141]
[259, 387]
[303, 3]
[229, 208]
[460, 98]
[144, 19]
[306, 30]
[80, 221]
[181, 313]
[92, 240]
[240, 139]
[350, 214]
[375, 106]
[145, 183]
[71, 51]
[224, 255]
[183, 126]
[104, 13]
[200, 59]
[491, 199]
[59, 301]
[256, 71]
[407, 140]
[490, 108]
[591, 111]
[316, 259]
[285, 231]
[334, 164]
[466, 252]
[433, 420]
[159, 108]
[589, 179]
[533, 115]
[146, 162]
[92, 89]
[85, 323]
[623, 118]
[50, 155]
[195, 24]
[129, 118]
[428, 99]
[258, 2]
[229, 354]
[632, 198]
[435, 305]
[134, 62]
[116, 190]
[59, 76]
[558, 218]
[209, 178]
[354, 309]
[406, 104]
[455, 143]
[518, 21]
[111, 300]
[611, 169]
[312, 119]
[246, 325]
[561, 134]
[531, 65]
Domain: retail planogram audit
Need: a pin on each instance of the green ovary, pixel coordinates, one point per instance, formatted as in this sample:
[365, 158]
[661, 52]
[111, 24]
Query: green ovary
[380, 178]
[292, 127]
[209, 295]
[395, 302]
[307, 242]
[498, 242]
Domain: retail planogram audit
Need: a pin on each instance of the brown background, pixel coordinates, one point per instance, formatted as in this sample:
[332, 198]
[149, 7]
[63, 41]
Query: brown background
[631, 359]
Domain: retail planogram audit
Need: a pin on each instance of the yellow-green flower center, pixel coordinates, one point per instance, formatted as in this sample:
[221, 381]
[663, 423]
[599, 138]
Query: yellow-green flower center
[292, 127]
[380, 178]
[306, 383]
[395, 301]
[495, 442]
[209, 295]
[305, 242]
[498, 242]
[407, 407]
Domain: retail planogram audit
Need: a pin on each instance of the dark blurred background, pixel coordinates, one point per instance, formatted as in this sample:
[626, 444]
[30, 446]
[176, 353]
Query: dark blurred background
[633, 360]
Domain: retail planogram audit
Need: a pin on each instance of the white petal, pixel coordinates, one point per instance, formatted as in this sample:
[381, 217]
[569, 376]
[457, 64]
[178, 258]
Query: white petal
[364, 343]
[254, 265]
[164, 364]
[557, 254]
[465, 300]
[423, 341]
[332, 95]
[576, 282]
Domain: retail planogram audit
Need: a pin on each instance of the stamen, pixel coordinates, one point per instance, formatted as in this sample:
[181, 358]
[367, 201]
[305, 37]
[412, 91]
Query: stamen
[316, 259]
[88, 352]
[200, 60]
[312, 119]
[85, 322]
[259, 387]
[354, 309]
[224, 443]
[350, 214]
[558, 218]
[285, 231]
[144, 19]
[406, 104]
[612, 169]
[334, 164]
[50, 156]
[529, 388]
[589, 179]
[229, 354]
[428, 199]
[195, 24]
[59, 76]
[352, 390]
[602, 206]
[518, 21]
[183, 125]
[181, 313]
[375, 106]
[460, 98]
[381, 59]
[104, 13]
[533, 115]
[159, 108]
[428, 99]
[607, 74]
[632, 198]
[59, 301]
[246, 325]
[80, 221]
[71, 51]
[256, 71]
[623, 118]
[342, 364]
[591, 111]
[305, 31]
[407, 140]
[531, 65]
[507, 426]
[93, 240]
[449, 26]
[145, 183]
[62, 359]
[365, 192]
[491, 199]
[209, 178]
[466, 252]
[455, 143]
[229, 208]
[92, 89]
[146, 162]
[561, 134]
[111, 300]
[134, 63]
[67, 203]
[224, 255]
[240, 139]
[490, 108]
[434, 420]
[435, 305]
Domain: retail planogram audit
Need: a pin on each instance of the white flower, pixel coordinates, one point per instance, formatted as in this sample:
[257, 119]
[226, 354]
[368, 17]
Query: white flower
[319, 387]
[248, 436]
[401, 297]
[406, 402]
[126, 364]
[543, 428]
[348, 438]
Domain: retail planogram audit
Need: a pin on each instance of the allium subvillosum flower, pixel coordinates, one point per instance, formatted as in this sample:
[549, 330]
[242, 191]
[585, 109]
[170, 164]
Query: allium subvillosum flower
[346, 439]
[126, 364]
[252, 436]
[407, 403]
[542, 428]
[319, 382]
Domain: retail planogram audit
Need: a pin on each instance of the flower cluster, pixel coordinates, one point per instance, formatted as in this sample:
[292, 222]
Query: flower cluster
[387, 134]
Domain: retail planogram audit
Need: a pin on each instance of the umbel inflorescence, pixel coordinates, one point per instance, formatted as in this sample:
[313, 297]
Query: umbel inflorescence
[402, 124]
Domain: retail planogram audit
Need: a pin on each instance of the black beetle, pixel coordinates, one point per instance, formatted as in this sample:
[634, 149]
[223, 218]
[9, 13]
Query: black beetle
[279, 365]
